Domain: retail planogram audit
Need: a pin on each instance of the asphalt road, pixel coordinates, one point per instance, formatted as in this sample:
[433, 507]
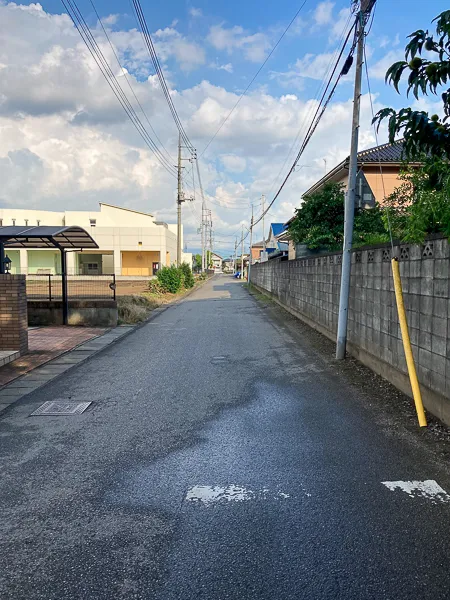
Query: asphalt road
[223, 457]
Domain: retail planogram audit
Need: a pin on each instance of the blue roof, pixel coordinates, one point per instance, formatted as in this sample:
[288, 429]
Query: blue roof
[277, 228]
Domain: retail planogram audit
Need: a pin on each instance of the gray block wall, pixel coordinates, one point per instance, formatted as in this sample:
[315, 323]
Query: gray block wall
[309, 288]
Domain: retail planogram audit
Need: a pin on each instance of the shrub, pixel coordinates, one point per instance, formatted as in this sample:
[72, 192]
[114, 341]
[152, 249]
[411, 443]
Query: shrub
[134, 309]
[170, 279]
[154, 287]
[189, 280]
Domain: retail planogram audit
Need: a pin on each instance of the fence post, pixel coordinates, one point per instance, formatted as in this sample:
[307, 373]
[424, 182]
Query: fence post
[50, 287]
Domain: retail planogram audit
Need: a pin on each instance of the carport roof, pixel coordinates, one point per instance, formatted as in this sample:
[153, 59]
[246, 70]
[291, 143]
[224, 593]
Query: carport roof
[46, 237]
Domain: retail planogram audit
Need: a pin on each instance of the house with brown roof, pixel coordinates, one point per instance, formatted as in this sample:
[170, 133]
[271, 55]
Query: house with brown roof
[378, 176]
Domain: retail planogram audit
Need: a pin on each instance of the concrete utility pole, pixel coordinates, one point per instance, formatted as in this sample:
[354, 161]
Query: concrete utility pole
[251, 244]
[179, 202]
[363, 15]
[242, 253]
[263, 202]
[235, 255]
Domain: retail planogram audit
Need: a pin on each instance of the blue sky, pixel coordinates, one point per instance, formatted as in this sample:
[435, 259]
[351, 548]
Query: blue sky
[68, 144]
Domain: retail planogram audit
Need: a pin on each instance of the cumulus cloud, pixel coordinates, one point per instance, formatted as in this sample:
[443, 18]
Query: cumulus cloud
[323, 13]
[195, 12]
[233, 163]
[228, 67]
[66, 142]
[229, 39]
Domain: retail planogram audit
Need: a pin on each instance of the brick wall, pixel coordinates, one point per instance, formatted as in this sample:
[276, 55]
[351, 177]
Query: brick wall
[13, 313]
[309, 288]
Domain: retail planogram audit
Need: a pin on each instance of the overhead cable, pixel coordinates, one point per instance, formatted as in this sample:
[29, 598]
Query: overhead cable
[321, 108]
[98, 56]
[157, 66]
[254, 77]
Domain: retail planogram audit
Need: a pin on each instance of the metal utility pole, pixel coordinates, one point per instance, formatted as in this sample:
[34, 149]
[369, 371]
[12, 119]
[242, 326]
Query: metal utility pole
[263, 202]
[203, 237]
[363, 15]
[179, 202]
[235, 256]
[242, 253]
[251, 254]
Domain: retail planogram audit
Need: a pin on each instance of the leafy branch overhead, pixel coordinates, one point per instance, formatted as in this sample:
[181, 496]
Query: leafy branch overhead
[427, 68]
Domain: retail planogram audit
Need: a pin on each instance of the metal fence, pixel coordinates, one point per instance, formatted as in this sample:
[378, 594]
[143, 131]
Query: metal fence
[79, 287]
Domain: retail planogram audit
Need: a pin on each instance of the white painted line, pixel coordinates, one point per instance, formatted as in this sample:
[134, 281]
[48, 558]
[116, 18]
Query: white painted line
[429, 489]
[212, 494]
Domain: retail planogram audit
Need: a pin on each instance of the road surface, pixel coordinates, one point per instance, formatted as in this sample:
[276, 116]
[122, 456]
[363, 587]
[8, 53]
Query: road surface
[223, 457]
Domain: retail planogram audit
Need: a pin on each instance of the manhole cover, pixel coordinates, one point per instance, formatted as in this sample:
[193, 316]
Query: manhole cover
[60, 408]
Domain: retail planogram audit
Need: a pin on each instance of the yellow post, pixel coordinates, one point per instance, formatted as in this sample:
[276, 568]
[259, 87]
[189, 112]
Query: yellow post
[407, 344]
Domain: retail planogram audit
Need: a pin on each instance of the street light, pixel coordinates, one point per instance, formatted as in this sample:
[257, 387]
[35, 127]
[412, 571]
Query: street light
[7, 265]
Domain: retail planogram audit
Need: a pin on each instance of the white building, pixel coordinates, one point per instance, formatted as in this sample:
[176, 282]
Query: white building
[216, 261]
[131, 243]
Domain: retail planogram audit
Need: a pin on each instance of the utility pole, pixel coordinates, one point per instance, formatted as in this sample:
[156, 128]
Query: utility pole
[251, 254]
[363, 15]
[179, 202]
[242, 253]
[203, 237]
[235, 255]
[263, 202]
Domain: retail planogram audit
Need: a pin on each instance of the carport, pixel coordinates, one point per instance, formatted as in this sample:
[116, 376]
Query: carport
[65, 239]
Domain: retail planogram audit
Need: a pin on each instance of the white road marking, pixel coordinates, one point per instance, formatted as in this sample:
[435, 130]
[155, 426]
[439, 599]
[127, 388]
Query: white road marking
[420, 489]
[211, 494]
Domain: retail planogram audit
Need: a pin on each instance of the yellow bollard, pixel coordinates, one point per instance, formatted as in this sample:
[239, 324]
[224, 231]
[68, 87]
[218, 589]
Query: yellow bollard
[407, 344]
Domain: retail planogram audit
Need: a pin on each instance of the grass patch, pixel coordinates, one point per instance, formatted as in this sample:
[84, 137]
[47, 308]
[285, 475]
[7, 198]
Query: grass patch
[134, 309]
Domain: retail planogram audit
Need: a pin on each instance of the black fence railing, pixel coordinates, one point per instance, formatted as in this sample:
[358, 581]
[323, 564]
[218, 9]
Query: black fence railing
[79, 287]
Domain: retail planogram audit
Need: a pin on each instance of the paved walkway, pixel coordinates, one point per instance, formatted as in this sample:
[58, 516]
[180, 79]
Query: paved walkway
[222, 458]
[46, 343]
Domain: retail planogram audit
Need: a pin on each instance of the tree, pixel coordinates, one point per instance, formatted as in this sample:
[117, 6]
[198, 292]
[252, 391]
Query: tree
[415, 208]
[425, 74]
[198, 262]
[319, 222]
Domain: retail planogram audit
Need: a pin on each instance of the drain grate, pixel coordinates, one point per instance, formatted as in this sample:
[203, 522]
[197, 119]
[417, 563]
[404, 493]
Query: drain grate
[51, 408]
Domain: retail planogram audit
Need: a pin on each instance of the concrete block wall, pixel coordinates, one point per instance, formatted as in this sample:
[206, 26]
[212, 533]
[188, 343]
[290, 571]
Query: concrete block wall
[309, 289]
[13, 313]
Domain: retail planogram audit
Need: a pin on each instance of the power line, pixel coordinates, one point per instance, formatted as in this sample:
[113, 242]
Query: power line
[80, 24]
[157, 65]
[319, 113]
[254, 77]
[124, 71]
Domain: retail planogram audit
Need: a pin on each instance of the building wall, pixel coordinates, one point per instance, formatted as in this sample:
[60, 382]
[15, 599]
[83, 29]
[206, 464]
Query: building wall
[44, 259]
[116, 230]
[139, 263]
[390, 179]
[309, 288]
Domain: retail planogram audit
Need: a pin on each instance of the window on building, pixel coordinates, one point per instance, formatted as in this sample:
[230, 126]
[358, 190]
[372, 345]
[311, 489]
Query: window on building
[38, 222]
[26, 222]
[13, 222]
[93, 222]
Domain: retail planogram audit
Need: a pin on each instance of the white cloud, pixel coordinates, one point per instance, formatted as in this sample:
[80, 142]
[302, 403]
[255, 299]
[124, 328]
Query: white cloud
[189, 55]
[378, 70]
[195, 12]
[339, 24]
[66, 142]
[110, 19]
[254, 46]
[227, 67]
[233, 163]
[323, 13]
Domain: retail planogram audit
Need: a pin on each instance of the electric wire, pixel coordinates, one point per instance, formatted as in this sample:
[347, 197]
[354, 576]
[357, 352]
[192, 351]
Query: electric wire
[378, 147]
[80, 24]
[254, 77]
[308, 116]
[124, 71]
[158, 69]
[321, 108]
